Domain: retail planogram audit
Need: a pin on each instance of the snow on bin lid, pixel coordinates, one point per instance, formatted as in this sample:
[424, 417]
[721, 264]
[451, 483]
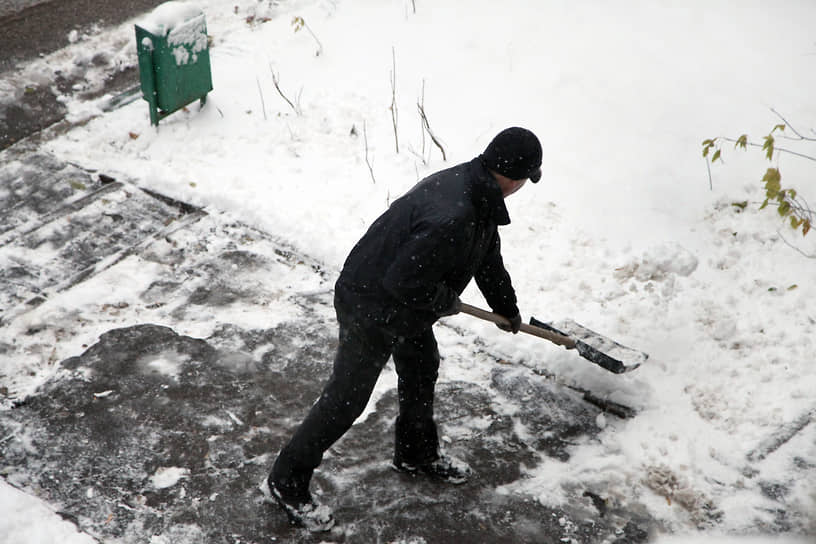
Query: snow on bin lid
[168, 16]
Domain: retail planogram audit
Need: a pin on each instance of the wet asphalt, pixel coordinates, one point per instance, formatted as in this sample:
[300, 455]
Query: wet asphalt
[145, 398]
[36, 29]
[42, 28]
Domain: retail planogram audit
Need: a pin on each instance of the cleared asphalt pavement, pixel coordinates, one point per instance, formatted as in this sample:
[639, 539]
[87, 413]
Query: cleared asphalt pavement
[149, 435]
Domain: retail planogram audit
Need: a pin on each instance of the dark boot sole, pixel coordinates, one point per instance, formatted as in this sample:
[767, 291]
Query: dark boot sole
[295, 517]
[416, 471]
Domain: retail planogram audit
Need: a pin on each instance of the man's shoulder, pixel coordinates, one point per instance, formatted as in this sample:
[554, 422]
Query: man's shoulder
[451, 182]
[471, 168]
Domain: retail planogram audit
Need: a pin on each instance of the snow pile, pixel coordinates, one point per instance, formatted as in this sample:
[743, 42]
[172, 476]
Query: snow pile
[172, 18]
[659, 262]
[183, 24]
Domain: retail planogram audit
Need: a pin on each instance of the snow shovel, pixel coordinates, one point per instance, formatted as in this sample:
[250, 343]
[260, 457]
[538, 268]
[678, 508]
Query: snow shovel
[590, 345]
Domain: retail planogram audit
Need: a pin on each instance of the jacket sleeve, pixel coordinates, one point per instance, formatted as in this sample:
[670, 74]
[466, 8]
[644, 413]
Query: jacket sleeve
[494, 282]
[415, 276]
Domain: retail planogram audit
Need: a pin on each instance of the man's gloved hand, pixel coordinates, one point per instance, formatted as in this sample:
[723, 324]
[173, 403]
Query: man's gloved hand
[514, 326]
[454, 308]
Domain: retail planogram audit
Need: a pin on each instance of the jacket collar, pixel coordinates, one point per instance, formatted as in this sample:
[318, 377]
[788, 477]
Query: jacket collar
[487, 195]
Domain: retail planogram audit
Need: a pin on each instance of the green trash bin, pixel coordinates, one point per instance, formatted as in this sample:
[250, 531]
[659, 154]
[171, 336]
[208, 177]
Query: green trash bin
[174, 58]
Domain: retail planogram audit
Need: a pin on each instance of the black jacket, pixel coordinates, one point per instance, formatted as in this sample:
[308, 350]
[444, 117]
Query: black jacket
[419, 255]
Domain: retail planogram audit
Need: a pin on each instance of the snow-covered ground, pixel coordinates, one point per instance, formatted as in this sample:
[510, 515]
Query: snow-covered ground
[28, 519]
[625, 233]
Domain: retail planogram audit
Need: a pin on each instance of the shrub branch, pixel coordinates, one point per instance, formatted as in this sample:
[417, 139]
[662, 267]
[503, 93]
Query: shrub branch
[789, 204]
[393, 108]
[276, 81]
[427, 127]
[368, 163]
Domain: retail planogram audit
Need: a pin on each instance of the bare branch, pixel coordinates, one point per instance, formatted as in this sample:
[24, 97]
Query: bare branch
[260, 92]
[319, 45]
[422, 126]
[787, 124]
[427, 126]
[299, 22]
[413, 152]
[710, 181]
[394, 113]
[276, 81]
[368, 163]
[780, 149]
[790, 245]
[801, 207]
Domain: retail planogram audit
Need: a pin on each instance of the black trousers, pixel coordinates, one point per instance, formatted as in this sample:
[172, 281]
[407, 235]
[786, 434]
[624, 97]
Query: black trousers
[363, 351]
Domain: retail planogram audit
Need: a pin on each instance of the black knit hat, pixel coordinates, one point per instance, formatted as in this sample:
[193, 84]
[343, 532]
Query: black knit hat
[515, 153]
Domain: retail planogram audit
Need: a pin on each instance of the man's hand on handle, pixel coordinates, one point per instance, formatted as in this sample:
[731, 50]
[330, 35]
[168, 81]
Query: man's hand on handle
[514, 326]
[454, 308]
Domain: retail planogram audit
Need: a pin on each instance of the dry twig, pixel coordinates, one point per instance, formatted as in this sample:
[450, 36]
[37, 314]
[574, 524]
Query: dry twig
[260, 92]
[394, 113]
[422, 124]
[368, 163]
[427, 127]
[276, 81]
[299, 22]
[787, 124]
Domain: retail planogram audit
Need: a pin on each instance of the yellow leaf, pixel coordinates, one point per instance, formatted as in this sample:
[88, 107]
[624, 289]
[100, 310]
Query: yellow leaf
[768, 146]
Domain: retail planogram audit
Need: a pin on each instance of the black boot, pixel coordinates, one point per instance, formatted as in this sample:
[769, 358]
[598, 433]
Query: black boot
[445, 468]
[301, 509]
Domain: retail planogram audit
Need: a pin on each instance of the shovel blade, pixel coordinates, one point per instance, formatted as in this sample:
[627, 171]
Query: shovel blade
[595, 347]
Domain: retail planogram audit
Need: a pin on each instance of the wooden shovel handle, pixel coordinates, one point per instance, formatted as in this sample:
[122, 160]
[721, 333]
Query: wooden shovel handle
[553, 337]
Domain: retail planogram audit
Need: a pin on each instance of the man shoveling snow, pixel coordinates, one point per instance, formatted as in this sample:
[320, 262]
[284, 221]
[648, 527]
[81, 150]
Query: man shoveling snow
[405, 273]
